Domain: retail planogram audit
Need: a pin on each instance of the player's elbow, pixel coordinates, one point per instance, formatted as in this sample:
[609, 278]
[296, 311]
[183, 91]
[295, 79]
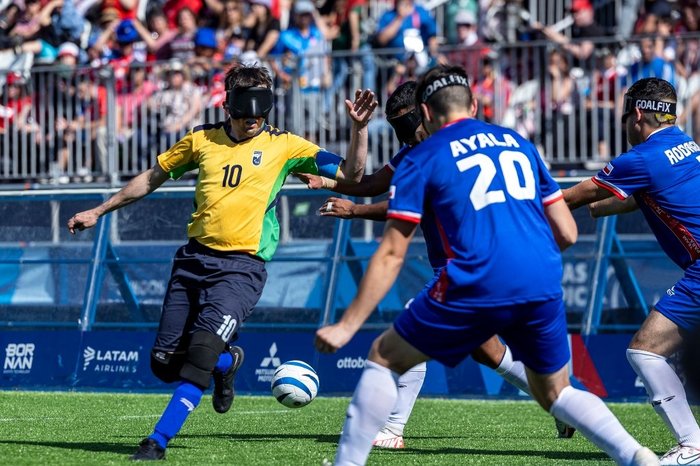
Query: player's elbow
[567, 236]
[595, 210]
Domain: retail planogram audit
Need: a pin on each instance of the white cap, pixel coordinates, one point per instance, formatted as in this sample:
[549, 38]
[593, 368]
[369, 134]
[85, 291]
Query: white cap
[465, 17]
[68, 48]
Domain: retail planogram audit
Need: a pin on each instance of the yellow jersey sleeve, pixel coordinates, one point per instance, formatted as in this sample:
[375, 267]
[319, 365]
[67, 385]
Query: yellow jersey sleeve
[180, 158]
[307, 157]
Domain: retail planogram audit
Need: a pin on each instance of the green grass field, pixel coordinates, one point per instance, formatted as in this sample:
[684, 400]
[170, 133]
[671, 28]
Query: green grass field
[104, 428]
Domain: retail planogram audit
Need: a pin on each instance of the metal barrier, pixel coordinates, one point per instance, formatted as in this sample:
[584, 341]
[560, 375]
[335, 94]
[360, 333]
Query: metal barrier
[83, 125]
[115, 275]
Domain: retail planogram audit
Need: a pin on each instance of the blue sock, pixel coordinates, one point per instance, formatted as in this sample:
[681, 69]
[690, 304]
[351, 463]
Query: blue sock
[224, 362]
[183, 402]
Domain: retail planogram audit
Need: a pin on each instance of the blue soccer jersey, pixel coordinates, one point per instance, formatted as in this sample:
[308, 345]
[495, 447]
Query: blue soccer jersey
[436, 254]
[663, 175]
[485, 187]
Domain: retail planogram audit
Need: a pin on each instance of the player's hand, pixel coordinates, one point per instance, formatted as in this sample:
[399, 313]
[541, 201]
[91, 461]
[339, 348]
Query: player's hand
[331, 338]
[82, 221]
[360, 111]
[311, 181]
[337, 207]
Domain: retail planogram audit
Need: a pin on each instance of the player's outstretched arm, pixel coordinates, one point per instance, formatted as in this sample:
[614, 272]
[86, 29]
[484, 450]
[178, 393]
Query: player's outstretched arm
[562, 224]
[144, 183]
[369, 186]
[612, 206]
[345, 208]
[360, 112]
[381, 274]
[584, 193]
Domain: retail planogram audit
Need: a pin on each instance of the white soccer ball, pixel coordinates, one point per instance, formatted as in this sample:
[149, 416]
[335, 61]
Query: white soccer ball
[294, 384]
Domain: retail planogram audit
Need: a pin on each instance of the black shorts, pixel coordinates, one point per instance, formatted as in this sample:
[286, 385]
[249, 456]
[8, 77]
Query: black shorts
[210, 291]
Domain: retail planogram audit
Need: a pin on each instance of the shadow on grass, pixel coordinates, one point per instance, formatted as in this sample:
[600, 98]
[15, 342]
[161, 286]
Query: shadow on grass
[550, 455]
[326, 438]
[102, 447]
[281, 437]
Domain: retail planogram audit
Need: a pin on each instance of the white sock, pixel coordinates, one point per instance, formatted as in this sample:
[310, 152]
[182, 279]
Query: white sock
[666, 394]
[369, 408]
[409, 387]
[513, 371]
[589, 415]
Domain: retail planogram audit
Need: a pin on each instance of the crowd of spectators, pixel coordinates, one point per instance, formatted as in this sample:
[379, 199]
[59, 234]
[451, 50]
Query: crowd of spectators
[165, 61]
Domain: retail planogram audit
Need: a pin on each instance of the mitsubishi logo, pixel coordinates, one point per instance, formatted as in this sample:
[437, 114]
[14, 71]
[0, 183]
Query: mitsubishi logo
[272, 359]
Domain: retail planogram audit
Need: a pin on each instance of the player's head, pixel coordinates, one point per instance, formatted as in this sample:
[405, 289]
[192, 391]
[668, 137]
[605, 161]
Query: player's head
[403, 116]
[649, 104]
[443, 95]
[248, 97]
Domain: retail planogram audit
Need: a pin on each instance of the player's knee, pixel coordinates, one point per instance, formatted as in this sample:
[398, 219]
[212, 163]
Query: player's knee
[166, 366]
[202, 355]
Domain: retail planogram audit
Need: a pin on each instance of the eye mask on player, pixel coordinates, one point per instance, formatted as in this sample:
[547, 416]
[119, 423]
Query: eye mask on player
[405, 126]
[249, 102]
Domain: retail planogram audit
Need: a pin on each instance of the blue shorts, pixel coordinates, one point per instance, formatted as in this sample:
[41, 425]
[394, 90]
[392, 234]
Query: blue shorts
[209, 291]
[681, 303]
[535, 332]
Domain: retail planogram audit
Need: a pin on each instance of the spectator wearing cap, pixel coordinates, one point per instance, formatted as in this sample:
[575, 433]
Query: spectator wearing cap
[127, 48]
[181, 47]
[263, 28]
[471, 51]
[305, 37]
[69, 55]
[583, 29]
[178, 106]
[207, 59]
[410, 27]
[303, 53]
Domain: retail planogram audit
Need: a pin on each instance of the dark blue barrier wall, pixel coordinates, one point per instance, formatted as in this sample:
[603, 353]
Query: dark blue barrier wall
[120, 360]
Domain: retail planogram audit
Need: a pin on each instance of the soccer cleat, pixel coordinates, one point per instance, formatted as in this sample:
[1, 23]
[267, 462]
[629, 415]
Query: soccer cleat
[681, 455]
[149, 450]
[387, 439]
[564, 430]
[644, 457]
[222, 398]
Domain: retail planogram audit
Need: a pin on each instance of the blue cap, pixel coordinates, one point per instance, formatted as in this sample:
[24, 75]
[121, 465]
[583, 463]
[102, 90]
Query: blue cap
[126, 32]
[205, 37]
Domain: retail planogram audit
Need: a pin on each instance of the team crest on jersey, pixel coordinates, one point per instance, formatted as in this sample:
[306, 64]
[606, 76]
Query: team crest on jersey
[257, 157]
[608, 169]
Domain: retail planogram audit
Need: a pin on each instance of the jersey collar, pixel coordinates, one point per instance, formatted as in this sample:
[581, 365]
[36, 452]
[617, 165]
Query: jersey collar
[453, 122]
[233, 139]
[658, 131]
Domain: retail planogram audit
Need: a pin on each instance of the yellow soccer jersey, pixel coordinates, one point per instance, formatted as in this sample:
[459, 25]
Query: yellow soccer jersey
[239, 183]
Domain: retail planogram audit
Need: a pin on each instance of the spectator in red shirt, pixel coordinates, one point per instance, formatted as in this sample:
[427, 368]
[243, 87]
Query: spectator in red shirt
[16, 124]
[125, 8]
[173, 8]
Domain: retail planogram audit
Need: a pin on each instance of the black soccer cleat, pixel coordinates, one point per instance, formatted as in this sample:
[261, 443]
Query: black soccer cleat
[149, 450]
[222, 398]
[564, 430]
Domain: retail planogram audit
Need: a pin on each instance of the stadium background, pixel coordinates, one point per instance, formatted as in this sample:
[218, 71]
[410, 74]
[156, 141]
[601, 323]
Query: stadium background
[88, 100]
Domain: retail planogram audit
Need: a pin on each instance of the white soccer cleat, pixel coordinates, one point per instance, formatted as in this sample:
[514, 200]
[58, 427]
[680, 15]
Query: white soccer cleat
[644, 457]
[681, 455]
[387, 439]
